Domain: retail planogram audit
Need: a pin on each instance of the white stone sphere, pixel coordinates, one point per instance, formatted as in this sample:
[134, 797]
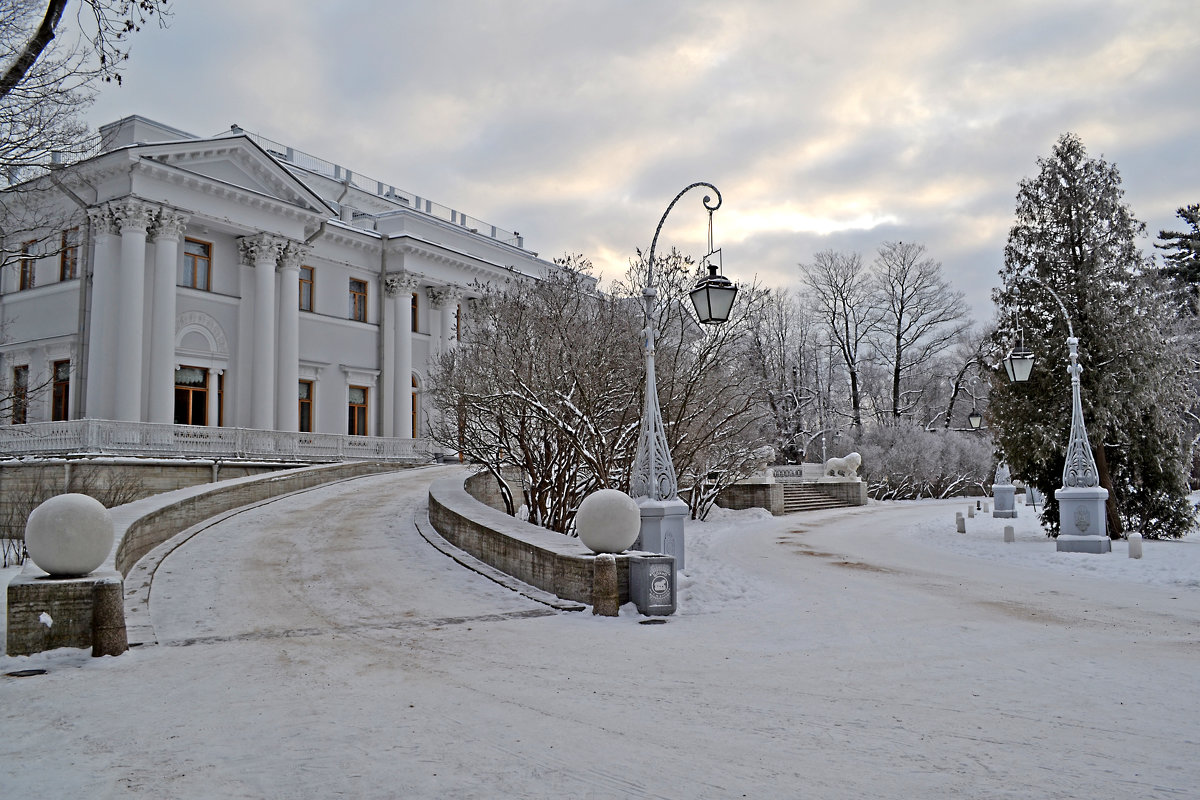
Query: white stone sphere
[608, 521]
[69, 535]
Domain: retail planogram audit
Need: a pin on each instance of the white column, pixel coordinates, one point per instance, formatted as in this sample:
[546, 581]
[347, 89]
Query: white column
[387, 361]
[103, 315]
[213, 398]
[287, 405]
[262, 252]
[444, 299]
[168, 230]
[133, 218]
[406, 284]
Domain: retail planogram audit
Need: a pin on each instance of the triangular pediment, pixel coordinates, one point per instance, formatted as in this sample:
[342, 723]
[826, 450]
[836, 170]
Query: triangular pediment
[235, 161]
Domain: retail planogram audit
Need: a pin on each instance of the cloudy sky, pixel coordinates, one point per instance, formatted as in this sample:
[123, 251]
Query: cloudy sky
[824, 124]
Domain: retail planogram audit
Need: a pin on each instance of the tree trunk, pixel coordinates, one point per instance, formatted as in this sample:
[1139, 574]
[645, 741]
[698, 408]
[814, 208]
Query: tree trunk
[1115, 529]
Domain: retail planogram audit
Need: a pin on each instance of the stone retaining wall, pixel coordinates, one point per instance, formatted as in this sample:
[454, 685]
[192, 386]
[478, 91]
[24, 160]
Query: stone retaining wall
[547, 560]
[139, 527]
[24, 485]
[741, 496]
[852, 492]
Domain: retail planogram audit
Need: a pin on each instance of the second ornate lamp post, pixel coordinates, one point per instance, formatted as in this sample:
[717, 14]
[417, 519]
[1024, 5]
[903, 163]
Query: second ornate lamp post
[1082, 518]
[653, 484]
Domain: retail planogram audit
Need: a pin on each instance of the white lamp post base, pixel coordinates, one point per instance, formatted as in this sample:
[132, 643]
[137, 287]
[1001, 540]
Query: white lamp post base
[1083, 524]
[662, 527]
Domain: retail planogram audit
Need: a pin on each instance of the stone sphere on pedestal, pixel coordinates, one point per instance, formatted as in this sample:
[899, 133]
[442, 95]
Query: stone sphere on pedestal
[608, 521]
[69, 535]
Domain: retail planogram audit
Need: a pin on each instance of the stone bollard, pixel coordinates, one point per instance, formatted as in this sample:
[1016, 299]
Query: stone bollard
[986, 507]
[605, 599]
[1009, 534]
[960, 523]
[971, 512]
[1135, 545]
[108, 619]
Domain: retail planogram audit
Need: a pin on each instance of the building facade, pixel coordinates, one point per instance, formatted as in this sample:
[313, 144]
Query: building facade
[235, 282]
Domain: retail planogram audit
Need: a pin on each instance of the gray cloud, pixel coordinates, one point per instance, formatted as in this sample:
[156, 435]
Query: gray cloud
[825, 125]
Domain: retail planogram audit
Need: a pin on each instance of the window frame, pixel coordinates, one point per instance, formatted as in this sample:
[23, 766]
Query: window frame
[358, 300]
[201, 388]
[303, 403]
[28, 271]
[20, 394]
[190, 261]
[60, 391]
[309, 282]
[416, 312]
[68, 256]
[358, 412]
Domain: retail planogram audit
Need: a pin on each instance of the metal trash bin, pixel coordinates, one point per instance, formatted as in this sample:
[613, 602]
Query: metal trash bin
[652, 584]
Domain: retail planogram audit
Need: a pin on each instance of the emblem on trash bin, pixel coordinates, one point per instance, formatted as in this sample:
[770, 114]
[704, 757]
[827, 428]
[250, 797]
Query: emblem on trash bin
[660, 585]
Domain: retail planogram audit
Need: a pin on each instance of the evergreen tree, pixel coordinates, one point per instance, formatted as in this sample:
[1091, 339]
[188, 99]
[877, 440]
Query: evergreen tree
[1182, 258]
[1074, 233]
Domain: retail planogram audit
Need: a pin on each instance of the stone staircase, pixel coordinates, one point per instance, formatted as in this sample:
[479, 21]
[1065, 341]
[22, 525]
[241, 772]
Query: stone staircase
[806, 497]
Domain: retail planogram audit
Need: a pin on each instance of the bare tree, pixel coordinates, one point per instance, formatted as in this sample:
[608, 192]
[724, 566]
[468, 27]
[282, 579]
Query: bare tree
[921, 317]
[840, 290]
[544, 379]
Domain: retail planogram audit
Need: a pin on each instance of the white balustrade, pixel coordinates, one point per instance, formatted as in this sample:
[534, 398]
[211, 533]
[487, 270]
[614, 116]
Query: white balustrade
[109, 437]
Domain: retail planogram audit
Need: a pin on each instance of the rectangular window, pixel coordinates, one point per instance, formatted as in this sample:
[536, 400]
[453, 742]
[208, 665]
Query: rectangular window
[191, 396]
[20, 395]
[306, 406]
[358, 411]
[458, 322]
[306, 288]
[28, 262]
[68, 257]
[358, 300]
[415, 305]
[196, 269]
[60, 393]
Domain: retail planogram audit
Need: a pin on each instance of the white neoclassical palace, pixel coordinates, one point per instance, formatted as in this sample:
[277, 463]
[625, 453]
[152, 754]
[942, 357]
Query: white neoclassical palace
[202, 284]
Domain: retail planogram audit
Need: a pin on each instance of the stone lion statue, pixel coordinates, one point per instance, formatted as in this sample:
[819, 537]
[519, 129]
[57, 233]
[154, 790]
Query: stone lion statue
[845, 467]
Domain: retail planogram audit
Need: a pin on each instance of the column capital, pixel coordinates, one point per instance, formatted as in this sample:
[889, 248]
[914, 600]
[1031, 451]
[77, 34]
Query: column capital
[102, 219]
[442, 296]
[395, 283]
[293, 254]
[133, 214]
[260, 248]
[169, 225]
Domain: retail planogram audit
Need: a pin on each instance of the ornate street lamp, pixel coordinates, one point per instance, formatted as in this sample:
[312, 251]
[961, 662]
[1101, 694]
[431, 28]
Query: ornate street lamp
[1083, 523]
[653, 483]
[975, 418]
[714, 294]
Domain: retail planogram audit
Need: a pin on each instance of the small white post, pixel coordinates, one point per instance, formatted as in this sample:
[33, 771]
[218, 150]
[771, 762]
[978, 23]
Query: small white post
[1135, 545]
[1009, 534]
[971, 511]
[960, 523]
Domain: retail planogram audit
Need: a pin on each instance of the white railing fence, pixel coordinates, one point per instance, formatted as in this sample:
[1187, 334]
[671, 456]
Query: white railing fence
[109, 437]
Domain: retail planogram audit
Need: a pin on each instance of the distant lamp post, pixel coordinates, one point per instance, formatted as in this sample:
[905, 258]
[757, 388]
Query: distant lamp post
[653, 483]
[975, 418]
[1082, 519]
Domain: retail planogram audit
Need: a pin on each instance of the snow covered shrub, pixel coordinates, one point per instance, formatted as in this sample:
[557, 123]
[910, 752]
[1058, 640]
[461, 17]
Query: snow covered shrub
[905, 462]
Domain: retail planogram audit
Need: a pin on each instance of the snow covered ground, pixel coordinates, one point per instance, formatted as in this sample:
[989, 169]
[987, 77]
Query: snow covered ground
[317, 647]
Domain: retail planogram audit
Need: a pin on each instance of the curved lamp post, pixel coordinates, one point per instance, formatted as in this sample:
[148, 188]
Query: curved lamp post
[1083, 523]
[653, 483]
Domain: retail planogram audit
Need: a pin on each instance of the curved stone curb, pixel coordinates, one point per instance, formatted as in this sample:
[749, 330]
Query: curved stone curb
[429, 534]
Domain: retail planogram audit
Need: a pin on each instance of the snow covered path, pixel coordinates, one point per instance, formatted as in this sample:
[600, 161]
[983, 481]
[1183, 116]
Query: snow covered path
[319, 648]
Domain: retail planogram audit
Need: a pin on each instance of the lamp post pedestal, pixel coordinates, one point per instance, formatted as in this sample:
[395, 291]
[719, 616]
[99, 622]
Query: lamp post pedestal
[1082, 521]
[662, 527]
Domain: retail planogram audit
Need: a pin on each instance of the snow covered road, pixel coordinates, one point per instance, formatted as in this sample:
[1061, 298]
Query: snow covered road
[317, 647]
